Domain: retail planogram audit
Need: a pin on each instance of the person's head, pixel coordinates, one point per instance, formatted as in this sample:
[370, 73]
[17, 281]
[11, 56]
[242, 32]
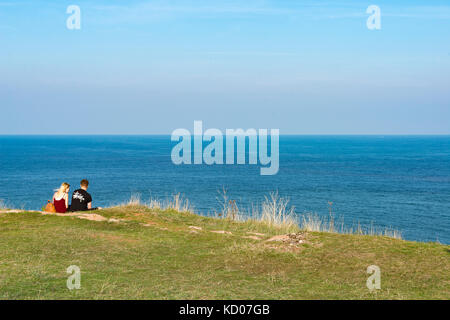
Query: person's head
[84, 184]
[65, 187]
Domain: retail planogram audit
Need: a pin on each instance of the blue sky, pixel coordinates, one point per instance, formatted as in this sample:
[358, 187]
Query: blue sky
[148, 67]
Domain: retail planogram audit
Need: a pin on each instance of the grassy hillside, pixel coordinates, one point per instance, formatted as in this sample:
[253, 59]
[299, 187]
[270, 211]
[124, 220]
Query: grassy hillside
[140, 253]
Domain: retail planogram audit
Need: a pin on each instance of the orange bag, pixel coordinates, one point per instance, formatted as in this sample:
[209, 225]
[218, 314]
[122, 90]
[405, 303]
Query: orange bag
[50, 207]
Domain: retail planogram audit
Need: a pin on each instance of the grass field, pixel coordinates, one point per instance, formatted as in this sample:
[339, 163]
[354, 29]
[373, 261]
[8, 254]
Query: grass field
[143, 253]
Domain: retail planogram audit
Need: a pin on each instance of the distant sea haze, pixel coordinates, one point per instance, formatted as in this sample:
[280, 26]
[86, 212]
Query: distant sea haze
[401, 182]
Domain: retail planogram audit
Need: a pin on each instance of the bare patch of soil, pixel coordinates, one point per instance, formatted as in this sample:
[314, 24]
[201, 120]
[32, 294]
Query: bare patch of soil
[256, 234]
[252, 237]
[91, 216]
[222, 232]
[292, 242]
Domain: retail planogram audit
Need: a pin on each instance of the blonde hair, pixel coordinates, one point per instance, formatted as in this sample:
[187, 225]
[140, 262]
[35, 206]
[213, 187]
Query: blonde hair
[63, 189]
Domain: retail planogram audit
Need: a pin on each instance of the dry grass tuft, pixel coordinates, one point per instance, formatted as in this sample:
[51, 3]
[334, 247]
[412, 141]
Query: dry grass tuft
[314, 222]
[177, 202]
[274, 212]
[3, 205]
[135, 201]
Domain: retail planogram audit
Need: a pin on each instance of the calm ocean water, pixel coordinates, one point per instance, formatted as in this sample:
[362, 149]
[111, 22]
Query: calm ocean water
[401, 182]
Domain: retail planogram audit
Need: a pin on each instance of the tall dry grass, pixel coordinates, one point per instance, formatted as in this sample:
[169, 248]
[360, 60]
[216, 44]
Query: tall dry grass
[317, 223]
[3, 205]
[176, 202]
[275, 211]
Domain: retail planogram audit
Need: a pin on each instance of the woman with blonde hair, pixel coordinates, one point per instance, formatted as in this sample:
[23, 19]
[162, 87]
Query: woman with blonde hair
[61, 198]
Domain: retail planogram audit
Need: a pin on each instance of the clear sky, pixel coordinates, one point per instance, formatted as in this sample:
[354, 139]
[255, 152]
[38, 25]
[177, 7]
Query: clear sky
[149, 67]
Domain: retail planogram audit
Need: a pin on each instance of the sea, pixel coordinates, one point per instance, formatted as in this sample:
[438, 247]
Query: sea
[398, 182]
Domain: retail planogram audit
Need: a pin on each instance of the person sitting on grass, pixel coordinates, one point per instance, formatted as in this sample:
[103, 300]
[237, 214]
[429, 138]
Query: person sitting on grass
[61, 198]
[81, 199]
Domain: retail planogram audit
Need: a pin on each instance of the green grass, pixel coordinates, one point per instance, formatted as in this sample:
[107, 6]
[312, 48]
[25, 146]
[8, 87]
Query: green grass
[128, 260]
